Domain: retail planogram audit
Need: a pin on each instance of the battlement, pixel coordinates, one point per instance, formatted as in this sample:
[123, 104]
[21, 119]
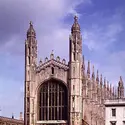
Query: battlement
[52, 61]
[57, 59]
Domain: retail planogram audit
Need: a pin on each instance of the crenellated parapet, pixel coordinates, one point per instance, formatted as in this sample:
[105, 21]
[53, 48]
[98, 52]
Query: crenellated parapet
[52, 67]
[53, 61]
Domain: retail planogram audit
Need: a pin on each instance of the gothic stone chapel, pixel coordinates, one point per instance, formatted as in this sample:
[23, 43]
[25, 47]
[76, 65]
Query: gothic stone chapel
[57, 93]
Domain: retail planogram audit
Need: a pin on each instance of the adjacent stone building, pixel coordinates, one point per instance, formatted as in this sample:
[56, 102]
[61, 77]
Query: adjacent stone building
[11, 121]
[63, 93]
[115, 108]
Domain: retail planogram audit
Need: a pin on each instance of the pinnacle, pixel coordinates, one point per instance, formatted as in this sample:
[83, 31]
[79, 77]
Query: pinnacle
[31, 24]
[120, 79]
[75, 19]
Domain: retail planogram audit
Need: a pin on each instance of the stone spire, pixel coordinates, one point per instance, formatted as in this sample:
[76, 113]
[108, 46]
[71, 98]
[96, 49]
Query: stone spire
[31, 32]
[101, 79]
[83, 62]
[110, 90]
[97, 77]
[120, 88]
[101, 89]
[105, 91]
[93, 73]
[108, 85]
[88, 69]
[104, 82]
[83, 66]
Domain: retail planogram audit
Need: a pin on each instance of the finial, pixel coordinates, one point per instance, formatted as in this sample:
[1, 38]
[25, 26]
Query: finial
[75, 19]
[75, 26]
[31, 31]
[40, 61]
[88, 69]
[64, 61]
[46, 59]
[97, 77]
[52, 51]
[58, 58]
[93, 72]
[31, 24]
[51, 55]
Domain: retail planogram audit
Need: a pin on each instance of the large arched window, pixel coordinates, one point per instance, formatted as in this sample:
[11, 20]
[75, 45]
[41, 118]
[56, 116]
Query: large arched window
[53, 101]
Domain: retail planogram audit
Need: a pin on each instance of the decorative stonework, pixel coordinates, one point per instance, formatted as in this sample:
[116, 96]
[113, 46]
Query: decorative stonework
[86, 91]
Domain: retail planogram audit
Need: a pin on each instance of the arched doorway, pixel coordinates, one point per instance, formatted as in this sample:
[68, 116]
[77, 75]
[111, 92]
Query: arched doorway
[53, 101]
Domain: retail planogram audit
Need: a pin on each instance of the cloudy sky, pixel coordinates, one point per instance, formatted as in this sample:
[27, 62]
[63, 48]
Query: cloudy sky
[103, 30]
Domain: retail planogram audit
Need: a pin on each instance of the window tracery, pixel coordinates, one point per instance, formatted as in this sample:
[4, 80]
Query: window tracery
[53, 101]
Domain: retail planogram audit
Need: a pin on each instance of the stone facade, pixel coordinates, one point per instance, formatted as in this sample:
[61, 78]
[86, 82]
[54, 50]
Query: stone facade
[86, 91]
[115, 111]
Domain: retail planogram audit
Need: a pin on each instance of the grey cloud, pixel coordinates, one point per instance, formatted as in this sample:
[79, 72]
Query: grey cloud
[45, 14]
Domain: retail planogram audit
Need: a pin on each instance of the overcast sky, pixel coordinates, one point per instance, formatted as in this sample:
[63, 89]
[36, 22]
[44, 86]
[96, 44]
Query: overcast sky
[103, 30]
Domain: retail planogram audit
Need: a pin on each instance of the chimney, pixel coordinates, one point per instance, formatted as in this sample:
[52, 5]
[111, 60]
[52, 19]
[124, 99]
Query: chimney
[12, 116]
[21, 118]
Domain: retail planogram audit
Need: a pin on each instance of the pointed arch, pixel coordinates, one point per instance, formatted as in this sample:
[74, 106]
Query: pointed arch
[52, 101]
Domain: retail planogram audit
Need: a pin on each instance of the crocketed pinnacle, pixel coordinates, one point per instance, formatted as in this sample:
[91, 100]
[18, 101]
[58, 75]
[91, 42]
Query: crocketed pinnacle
[108, 85]
[104, 82]
[101, 79]
[88, 69]
[97, 77]
[93, 73]
[83, 62]
[120, 84]
[31, 32]
[75, 27]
